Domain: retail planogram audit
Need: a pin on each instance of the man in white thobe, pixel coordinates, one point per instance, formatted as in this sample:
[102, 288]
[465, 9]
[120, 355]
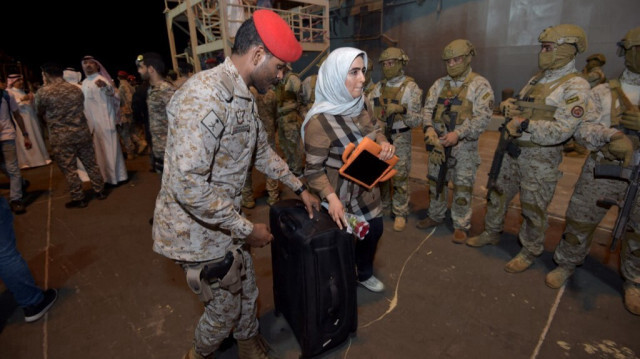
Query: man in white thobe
[101, 104]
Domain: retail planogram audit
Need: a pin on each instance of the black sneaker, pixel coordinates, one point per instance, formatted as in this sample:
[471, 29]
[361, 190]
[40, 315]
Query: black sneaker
[76, 204]
[17, 207]
[35, 312]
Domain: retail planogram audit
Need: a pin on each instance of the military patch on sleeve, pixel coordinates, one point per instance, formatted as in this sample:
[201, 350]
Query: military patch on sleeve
[213, 124]
[486, 96]
[577, 111]
[572, 100]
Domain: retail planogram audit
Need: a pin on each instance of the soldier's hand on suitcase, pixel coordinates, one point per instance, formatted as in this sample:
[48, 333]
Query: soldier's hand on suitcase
[336, 210]
[310, 202]
[260, 236]
[387, 151]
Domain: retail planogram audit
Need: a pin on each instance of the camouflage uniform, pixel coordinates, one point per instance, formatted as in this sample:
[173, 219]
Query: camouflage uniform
[126, 116]
[289, 122]
[583, 214]
[403, 90]
[158, 97]
[592, 72]
[563, 96]
[472, 99]
[213, 134]
[307, 94]
[61, 105]
[267, 112]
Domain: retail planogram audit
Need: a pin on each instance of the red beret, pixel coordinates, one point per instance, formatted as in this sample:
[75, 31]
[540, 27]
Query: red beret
[277, 36]
[122, 73]
[211, 60]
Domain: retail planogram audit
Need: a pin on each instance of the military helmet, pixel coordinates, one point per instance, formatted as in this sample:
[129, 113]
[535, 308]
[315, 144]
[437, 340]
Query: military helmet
[457, 48]
[565, 34]
[393, 53]
[598, 57]
[631, 39]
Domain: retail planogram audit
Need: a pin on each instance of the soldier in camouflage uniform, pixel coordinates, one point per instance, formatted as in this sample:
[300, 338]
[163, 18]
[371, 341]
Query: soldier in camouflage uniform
[613, 105]
[267, 112]
[126, 115]
[61, 105]
[151, 67]
[214, 132]
[465, 98]
[289, 120]
[592, 72]
[397, 100]
[549, 109]
[369, 85]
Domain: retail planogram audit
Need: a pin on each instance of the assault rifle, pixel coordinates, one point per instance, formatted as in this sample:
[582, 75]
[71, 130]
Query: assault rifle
[441, 179]
[505, 146]
[630, 174]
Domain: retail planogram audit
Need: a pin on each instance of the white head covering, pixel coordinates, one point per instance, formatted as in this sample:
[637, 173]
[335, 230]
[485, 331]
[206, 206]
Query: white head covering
[332, 96]
[102, 71]
[13, 78]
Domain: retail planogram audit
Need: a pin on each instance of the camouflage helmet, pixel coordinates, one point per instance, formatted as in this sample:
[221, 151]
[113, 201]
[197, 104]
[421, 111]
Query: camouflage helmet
[598, 57]
[631, 39]
[565, 34]
[393, 53]
[457, 48]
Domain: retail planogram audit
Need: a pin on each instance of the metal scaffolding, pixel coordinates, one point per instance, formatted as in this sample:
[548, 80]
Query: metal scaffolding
[211, 26]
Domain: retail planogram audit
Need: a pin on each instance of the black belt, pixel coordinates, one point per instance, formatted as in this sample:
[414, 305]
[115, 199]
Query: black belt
[394, 132]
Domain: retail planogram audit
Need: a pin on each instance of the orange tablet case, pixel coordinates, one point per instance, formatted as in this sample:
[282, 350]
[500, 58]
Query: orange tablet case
[362, 165]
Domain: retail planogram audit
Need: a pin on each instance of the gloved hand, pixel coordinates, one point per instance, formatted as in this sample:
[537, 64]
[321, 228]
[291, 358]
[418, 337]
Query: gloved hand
[394, 108]
[513, 128]
[619, 147]
[431, 137]
[631, 120]
[436, 156]
[509, 108]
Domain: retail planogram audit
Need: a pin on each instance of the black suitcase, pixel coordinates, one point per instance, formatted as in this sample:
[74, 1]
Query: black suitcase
[314, 277]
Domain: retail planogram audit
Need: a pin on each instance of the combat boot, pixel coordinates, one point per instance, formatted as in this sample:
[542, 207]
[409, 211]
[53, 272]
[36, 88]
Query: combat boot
[248, 203]
[399, 224]
[632, 297]
[483, 239]
[520, 262]
[557, 277]
[192, 354]
[459, 236]
[255, 348]
[427, 223]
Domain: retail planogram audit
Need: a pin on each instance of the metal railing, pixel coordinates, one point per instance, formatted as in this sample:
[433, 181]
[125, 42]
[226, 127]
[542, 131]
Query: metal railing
[211, 26]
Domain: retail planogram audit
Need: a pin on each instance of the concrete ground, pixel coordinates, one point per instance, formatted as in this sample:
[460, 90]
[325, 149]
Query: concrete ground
[119, 299]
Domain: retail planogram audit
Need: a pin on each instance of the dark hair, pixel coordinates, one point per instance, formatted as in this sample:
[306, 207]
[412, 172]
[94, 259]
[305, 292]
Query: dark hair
[52, 69]
[172, 75]
[185, 67]
[246, 38]
[152, 59]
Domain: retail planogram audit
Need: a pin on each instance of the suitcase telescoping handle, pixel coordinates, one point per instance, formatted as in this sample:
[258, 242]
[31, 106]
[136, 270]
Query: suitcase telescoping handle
[333, 288]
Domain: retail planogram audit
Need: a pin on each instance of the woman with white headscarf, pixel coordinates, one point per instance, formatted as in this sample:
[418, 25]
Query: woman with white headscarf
[338, 117]
[37, 155]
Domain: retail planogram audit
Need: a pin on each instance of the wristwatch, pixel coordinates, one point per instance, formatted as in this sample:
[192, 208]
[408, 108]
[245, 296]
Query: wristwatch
[300, 190]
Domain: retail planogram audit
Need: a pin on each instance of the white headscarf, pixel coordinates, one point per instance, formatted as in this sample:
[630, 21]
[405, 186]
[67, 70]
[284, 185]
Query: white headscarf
[332, 96]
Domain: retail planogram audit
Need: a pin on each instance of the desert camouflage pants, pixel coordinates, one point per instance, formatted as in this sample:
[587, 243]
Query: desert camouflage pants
[290, 141]
[399, 199]
[462, 175]
[584, 215]
[67, 155]
[228, 312]
[534, 174]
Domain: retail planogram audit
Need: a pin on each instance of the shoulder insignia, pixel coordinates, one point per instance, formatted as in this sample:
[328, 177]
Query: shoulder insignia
[486, 95]
[572, 100]
[577, 111]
